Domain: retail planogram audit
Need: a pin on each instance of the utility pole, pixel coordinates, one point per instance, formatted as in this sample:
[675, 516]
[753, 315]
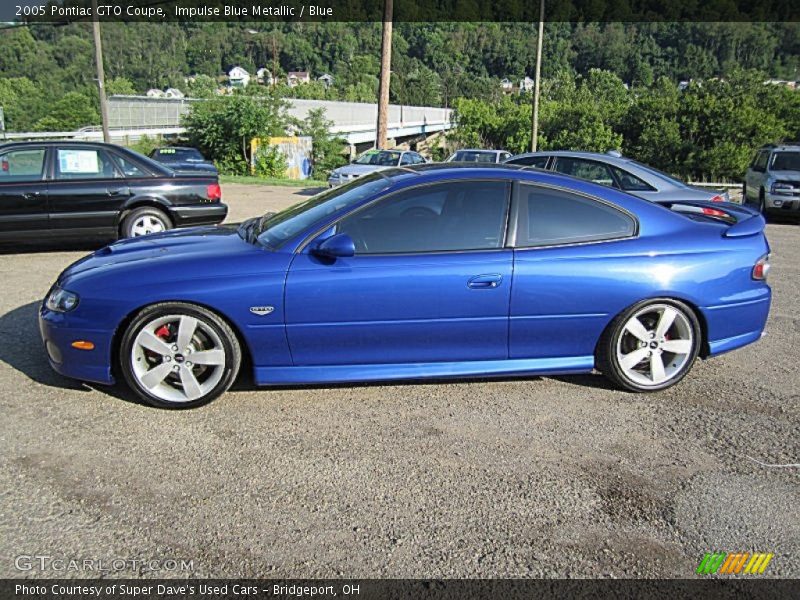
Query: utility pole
[101, 77]
[537, 83]
[274, 60]
[386, 66]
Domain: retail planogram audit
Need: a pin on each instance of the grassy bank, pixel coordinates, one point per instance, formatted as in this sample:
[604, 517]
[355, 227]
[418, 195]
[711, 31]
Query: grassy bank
[252, 180]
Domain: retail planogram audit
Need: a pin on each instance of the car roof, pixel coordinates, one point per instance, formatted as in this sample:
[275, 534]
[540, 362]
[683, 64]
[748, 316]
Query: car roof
[479, 150]
[600, 156]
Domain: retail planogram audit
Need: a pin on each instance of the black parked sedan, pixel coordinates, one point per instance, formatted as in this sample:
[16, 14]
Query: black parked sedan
[83, 189]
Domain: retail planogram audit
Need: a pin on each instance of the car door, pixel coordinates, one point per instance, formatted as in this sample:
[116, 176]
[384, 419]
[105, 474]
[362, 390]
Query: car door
[87, 191]
[754, 176]
[565, 281]
[23, 192]
[429, 282]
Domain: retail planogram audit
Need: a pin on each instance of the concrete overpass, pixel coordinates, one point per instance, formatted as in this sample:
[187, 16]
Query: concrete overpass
[131, 117]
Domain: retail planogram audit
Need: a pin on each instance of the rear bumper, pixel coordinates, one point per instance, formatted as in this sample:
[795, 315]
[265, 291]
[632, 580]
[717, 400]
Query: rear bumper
[210, 214]
[737, 324]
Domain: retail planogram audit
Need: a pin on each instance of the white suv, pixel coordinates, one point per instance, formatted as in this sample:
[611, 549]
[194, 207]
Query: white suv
[772, 181]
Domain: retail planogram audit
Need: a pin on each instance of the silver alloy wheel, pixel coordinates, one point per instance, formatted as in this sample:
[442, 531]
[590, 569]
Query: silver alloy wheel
[178, 358]
[655, 345]
[147, 224]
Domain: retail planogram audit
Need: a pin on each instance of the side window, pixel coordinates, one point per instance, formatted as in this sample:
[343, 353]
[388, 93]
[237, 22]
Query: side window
[22, 165]
[453, 216]
[504, 156]
[85, 163]
[407, 159]
[630, 182]
[418, 160]
[540, 162]
[761, 161]
[589, 170]
[129, 168]
[553, 217]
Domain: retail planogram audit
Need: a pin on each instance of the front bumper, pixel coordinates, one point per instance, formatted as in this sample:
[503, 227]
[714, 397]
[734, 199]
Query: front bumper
[211, 214]
[782, 204]
[85, 365]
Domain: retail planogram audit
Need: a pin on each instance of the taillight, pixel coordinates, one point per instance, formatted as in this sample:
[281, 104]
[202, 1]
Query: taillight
[718, 198]
[713, 212]
[761, 268]
[214, 192]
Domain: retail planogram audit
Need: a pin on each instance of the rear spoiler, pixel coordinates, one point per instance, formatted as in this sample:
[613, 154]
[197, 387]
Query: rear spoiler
[742, 220]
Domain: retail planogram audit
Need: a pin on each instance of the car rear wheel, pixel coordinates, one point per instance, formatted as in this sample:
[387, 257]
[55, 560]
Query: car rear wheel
[144, 221]
[179, 355]
[650, 346]
[762, 205]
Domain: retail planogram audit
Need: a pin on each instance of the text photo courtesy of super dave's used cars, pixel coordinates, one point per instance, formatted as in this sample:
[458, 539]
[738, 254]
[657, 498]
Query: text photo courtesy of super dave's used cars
[433, 271]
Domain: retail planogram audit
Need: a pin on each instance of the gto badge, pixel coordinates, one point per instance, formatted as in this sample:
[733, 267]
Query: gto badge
[261, 310]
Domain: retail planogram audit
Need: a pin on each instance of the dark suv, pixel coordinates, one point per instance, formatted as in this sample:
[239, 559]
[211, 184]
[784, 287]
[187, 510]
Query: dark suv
[90, 189]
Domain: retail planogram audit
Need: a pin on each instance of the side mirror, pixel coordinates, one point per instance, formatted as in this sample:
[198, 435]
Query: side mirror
[337, 246]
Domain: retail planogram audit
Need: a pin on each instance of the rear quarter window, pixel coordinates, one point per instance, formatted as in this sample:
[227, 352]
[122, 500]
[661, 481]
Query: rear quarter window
[550, 217]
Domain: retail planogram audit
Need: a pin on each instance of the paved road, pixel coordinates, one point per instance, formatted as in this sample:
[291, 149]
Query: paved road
[520, 477]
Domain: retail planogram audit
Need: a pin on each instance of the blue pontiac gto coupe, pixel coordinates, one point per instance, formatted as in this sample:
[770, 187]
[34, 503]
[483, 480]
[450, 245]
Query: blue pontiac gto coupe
[432, 271]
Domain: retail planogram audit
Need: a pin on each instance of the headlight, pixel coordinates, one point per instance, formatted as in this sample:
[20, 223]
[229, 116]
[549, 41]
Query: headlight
[61, 300]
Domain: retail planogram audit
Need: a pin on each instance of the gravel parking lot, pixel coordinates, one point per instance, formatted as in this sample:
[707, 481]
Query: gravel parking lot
[540, 477]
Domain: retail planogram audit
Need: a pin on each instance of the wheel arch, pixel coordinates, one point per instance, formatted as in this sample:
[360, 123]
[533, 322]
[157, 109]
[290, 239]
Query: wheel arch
[119, 332]
[705, 349]
[145, 201]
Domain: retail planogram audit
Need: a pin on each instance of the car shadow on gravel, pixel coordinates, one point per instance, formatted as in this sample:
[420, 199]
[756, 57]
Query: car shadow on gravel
[22, 348]
[52, 246]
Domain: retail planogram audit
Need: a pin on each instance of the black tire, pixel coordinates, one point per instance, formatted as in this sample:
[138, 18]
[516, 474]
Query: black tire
[744, 194]
[227, 337]
[606, 360]
[130, 221]
[762, 204]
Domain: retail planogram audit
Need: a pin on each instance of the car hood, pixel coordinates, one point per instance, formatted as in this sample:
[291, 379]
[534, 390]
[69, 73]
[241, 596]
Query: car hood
[785, 175]
[197, 249]
[359, 169]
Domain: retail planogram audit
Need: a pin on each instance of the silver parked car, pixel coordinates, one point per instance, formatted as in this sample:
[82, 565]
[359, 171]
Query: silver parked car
[479, 156]
[371, 161]
[772, 181]
[614, 170]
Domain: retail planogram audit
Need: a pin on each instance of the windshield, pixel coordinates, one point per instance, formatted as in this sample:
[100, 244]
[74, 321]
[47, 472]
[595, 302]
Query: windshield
[177, 154]
[278, 228]
[383, 159]
[472, 156]
[786, 161]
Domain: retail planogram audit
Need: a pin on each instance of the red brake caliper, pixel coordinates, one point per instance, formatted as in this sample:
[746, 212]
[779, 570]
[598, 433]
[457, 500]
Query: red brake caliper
[163, 332]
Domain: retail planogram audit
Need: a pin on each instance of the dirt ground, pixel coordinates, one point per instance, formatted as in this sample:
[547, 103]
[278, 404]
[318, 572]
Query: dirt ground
[527, 477]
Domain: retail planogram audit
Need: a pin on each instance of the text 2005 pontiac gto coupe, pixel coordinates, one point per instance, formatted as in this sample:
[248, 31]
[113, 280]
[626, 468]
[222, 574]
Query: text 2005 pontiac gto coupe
[433, 271]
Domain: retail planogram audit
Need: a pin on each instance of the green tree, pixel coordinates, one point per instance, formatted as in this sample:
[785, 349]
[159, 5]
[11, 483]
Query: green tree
[223, 126]
[326, 154]
[71, 112]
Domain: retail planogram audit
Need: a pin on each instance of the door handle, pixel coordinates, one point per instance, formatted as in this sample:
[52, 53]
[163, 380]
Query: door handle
[485, 282]
[30, 195]
[115, 192]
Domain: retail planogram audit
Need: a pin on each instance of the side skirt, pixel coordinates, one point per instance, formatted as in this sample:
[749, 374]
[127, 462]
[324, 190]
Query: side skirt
[442, 370]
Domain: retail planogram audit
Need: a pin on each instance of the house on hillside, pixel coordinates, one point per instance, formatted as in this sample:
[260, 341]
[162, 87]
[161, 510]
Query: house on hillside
[792, 85]
[295, 78]
[173, 93]
[506, 85]
[238, 77]
[154, 93]
[326, 79]
[526, 85]
[264, 76]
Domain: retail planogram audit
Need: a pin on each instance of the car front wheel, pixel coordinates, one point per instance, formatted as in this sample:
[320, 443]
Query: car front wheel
[650, 346]
[177, 355]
